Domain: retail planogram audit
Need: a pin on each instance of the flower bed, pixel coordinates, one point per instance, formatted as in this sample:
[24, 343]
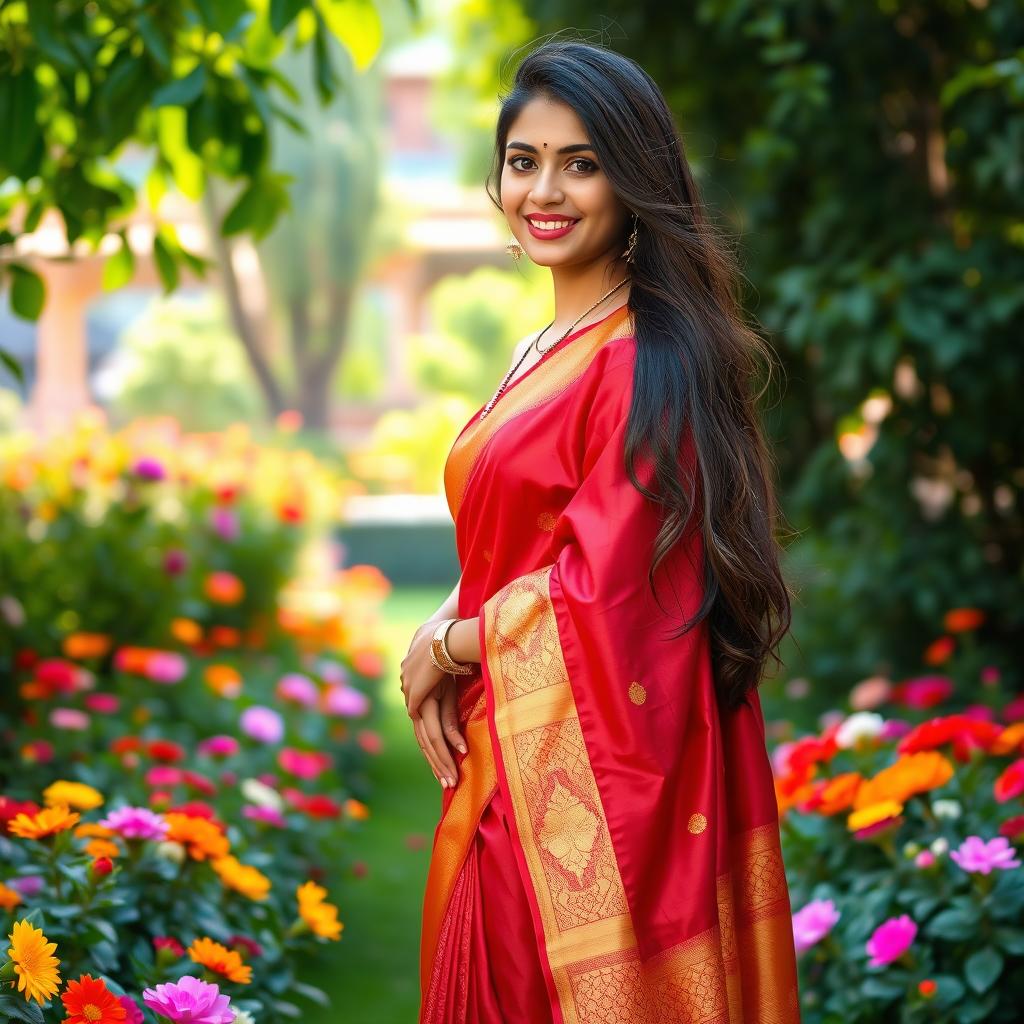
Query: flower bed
[185, 724]
[902, 827]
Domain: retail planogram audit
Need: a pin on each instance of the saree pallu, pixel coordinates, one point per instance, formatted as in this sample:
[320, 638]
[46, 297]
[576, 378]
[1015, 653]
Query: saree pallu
[620, 823]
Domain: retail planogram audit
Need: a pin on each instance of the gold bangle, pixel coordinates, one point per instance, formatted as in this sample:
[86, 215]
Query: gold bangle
[440, 655]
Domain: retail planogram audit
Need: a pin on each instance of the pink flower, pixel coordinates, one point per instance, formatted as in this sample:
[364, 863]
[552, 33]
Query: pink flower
[870, 693]
[299, 689]
[980, 711]
[69, 718]
[224, 523]
[104, 703]
[370, 741]
[924, 691]
[925, 859]
[136, 823]
[148, 468]
[175, 562]
[133, 1015]
[219, 746]
[189, 1000]
[163, 775]
[264, 815]
[262, 723]
[974, 854]
[303, 764]
[166, 667]
[347, 701]
[332, 671]
[990, 675]
[27, 885]
[890, 940]
[813, 922]
[894, 729]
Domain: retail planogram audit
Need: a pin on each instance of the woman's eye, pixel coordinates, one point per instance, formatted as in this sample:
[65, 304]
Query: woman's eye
[589, 164]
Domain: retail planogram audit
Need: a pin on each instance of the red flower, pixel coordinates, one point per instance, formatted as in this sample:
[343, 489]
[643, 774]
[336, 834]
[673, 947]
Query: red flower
[102, 866]
[196, 809]
[125, 745]
[200, 783]
[88, 1001]
[245, 945]
[927, 988]
[962, 620]
[166, 751]
[57, 675]
[1013, 828]
[964, 732]
[10, 809]
[1010, 783]
[938, 652]
[169, 943]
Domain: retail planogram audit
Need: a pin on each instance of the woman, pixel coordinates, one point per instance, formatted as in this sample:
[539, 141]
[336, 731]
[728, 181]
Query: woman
[608, 848]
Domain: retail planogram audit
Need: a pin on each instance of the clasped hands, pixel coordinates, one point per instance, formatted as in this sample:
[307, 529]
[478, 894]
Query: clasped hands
[430, 695]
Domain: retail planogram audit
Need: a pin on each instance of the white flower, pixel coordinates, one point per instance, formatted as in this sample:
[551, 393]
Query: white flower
[170, 850]
[947, 809]
[12, 611]
[243, 1017]
[261, 795]
[860, 725]
[940, 846]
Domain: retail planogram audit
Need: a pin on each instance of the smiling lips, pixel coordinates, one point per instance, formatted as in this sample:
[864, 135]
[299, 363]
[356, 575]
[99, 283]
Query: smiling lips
[547, 228]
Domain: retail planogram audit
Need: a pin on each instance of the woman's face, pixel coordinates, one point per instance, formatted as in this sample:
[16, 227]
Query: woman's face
[541, 182]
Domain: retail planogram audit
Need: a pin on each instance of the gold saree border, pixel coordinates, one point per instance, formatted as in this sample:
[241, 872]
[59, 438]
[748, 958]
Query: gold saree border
[545, 379]
[456, 832]
[736, 971]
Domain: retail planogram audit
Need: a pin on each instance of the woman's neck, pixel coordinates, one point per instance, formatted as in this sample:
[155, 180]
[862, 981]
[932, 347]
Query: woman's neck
[577, 289]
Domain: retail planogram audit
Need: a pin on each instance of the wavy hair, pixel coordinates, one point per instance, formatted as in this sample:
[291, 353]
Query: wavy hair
[697, 360]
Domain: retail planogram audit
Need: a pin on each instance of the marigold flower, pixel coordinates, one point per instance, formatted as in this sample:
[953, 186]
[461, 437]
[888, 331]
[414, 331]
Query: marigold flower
[320, 916]
[97, 848]
[243, 878]
[74, 794]
[200, 837]
[34, 963]
[87, 1000]
[47, 822]
[9, 898]
[221, 960]
[911, 774]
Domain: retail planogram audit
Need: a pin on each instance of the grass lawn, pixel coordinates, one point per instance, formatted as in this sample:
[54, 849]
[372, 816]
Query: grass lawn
[372, 973]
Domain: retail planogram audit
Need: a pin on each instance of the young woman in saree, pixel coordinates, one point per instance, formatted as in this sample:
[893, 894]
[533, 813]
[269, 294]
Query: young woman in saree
[608, 846]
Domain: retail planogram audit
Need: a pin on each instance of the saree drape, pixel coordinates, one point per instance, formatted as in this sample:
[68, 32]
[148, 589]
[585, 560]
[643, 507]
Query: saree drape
[622, 825]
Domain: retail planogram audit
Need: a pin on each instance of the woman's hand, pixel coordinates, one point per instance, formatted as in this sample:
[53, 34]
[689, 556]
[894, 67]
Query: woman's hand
[431, 703]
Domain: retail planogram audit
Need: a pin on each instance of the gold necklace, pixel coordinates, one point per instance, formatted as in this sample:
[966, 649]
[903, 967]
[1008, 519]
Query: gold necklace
[542, 351]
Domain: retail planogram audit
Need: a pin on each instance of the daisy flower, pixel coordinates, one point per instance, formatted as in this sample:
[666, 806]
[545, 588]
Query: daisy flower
[321, 917]
[47, 822]
[221, 960]
[87, 1000]
[34, 963]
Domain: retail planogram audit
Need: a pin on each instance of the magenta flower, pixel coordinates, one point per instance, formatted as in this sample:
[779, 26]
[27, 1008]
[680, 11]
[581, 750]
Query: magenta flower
[219, 746]
[27, 885]
[262, 723]
[264, 815]
[890, 940]
[300, 689]
[175, 562]
[136, 823]
[974, 854]
[925, 859]
[132, 1014]
[813, 922]
[303, 764]
[148, 468]
[69, 718]
[162, 775]
[166, 667]
[189, 1001]
[224, 523]
[346, 701]
[104, 703]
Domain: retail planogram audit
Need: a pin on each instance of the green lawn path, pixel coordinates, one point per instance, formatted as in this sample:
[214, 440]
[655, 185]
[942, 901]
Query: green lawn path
[372, 973]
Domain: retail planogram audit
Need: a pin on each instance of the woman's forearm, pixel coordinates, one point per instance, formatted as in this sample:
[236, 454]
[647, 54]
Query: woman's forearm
[464, 640]
[450, 606]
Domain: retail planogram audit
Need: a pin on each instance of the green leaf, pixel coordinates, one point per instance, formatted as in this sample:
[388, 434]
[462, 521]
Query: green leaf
[13, 366]
[311, 992]
[948, 989]
[951, 924]
[283, 13]
[28, 293]
[325, 74]
[120, 267]
[165, 264]
[983, 969]
[182, 91]
[878, 988]
[19, 98]
[153, 38]
[355, 23]
[1011, 939]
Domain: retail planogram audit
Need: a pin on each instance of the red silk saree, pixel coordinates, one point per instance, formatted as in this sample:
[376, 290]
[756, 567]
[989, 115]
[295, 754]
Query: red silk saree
[611, 850]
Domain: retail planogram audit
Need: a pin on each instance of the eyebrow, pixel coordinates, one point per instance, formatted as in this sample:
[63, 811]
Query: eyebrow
[579, 147]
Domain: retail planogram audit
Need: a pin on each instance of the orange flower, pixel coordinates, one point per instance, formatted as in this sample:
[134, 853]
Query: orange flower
[223, 680]
[1010, 740]
[202, 838]
[221, 960]
[839, 793]
[9, 898]
[962, 620]
[873, 814]
[911, 774]
[224, 588]
[93, 830]
[102, 848]
[87, 1000]
[320, 916]
[938, 652]
[241, 877]
[81, 646]
[186, 631]
[794, 788]
[356, 809]
[225, 636]
[47, 822]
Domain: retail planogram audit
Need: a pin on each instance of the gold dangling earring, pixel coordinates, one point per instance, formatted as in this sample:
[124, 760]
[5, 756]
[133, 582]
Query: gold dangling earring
[628, 254]
[514, 249]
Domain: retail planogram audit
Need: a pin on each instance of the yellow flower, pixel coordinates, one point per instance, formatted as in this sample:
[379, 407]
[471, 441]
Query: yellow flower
[47, 822]
[36, 968]
[241, 877]
[74, 794]
[221, 960]
[872, 815]
[9, 898]
[321, 917]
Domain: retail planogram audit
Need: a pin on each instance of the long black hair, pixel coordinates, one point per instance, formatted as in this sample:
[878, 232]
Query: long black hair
[697, 360]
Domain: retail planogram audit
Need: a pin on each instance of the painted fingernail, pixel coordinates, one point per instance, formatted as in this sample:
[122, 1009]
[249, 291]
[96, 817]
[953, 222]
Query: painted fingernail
[462, 747]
